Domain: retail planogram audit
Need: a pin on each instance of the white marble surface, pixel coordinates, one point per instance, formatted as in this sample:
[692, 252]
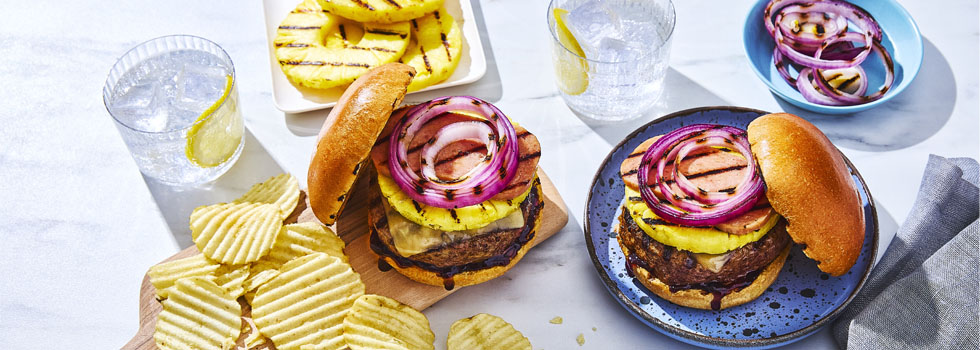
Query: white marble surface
[80, 226]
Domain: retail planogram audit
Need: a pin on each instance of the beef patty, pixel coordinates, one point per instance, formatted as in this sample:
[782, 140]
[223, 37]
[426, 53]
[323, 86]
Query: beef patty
[487, 250]
[678, 267]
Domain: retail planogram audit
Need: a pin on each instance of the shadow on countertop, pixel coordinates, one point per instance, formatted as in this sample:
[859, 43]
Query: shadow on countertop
[908, 119]
[683, 93]
[176, 203]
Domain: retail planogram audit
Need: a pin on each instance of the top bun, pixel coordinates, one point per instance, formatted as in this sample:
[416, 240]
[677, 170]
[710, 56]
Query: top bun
[809, 184]
[349, 133]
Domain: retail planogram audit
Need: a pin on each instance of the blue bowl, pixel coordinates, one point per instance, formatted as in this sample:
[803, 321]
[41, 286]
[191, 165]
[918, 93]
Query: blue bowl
[900, 37]
[801, 300]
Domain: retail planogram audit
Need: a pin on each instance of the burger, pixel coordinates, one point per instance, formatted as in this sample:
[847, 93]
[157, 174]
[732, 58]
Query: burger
[711, 211]
[454, 195]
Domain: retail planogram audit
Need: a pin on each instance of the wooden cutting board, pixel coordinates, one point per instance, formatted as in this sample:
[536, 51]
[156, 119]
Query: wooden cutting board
[352, 226]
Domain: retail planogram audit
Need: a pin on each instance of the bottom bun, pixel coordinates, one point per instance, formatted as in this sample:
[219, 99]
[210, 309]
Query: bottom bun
[699, 299]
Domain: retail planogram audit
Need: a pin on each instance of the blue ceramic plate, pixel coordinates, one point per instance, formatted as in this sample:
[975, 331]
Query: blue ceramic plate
[900, 37]
[799, 302]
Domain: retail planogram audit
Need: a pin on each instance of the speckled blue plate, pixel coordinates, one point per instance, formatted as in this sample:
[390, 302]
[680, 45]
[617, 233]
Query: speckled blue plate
[801, 300]
[900, 36]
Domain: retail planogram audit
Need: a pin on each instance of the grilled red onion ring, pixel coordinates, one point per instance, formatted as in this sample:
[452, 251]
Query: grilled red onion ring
[859, 97]
[793, 26]
[815, 61]
[481, 183]
[698, 207]
[849, 11]
[830, 46]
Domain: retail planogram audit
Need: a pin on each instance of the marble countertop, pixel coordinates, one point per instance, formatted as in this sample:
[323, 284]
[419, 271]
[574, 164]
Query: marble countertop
[80, 225]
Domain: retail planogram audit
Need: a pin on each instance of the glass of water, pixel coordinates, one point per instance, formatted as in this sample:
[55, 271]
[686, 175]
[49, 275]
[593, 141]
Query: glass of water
[174, 100]
[610, 56]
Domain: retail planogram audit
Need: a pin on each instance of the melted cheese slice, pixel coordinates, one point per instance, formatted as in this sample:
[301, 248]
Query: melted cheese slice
[410, 238]
[706, 240]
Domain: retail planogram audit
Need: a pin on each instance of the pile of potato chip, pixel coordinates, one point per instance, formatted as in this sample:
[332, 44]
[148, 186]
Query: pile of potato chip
[263, 284]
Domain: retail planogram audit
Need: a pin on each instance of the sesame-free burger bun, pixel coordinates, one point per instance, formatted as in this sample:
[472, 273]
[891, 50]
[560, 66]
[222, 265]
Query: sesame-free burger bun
[349, 133]
[809, 184]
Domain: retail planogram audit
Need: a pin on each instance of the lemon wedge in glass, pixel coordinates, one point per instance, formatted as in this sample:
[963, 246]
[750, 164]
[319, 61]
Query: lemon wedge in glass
[217, 133]
[571, 69]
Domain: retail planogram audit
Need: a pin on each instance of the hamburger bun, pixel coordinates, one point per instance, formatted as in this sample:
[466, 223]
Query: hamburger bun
[809, 184]
[349, 133]
[698, 299]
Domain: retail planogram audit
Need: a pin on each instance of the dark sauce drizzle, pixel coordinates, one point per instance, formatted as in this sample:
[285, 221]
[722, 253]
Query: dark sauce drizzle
[532, 205]
[717, 290]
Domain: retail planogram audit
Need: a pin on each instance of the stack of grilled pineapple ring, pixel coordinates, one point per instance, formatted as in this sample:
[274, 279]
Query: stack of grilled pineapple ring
[324, 44]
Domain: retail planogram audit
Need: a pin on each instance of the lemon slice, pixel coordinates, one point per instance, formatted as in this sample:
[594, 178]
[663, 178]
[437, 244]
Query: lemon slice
[572, 70]
[216, 134]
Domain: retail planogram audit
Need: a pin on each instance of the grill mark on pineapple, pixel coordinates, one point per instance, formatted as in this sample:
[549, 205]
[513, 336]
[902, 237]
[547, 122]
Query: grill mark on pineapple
[386, 32]
[363, 4]
[308, 11]
[292, 45]
[381, 49]
[393, 3]
[445, 43]
[299, 27]
[425, 58]
[343, 34]
[321, 63]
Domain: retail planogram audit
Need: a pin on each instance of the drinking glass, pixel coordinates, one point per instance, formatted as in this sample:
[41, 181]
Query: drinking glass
[174, 100]
[610, 56]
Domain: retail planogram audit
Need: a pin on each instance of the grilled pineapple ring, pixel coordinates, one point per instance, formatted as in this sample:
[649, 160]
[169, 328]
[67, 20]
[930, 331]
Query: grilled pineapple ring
[382, 11]
[434, 50]
[320, 50]
[459, 219]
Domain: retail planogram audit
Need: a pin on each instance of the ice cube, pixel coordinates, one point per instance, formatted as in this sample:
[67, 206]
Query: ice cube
[137, 96]
[613, 50]
[142, 107]
[199, 86]
[592, 22]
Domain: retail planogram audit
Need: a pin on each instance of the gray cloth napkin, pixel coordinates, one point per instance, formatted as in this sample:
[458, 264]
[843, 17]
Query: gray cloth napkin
[923, 292]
